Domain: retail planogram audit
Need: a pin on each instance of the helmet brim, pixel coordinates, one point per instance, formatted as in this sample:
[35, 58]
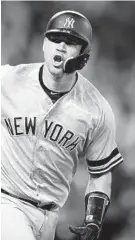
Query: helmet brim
[70, 34]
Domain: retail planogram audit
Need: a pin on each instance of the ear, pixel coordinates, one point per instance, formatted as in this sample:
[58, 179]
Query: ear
[43, 48]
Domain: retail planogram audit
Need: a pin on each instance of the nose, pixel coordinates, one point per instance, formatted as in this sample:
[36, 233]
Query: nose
[61, 47]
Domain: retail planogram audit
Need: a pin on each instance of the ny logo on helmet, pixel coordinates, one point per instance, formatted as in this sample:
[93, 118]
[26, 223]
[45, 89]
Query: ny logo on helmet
[69, 23]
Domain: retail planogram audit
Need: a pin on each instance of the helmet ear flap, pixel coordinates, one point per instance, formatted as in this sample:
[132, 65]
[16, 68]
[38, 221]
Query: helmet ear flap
[83, 48]
[77, 63]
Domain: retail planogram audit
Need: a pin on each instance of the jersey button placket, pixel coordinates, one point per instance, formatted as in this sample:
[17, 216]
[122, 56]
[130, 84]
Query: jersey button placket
[38, 149]
[50, 106]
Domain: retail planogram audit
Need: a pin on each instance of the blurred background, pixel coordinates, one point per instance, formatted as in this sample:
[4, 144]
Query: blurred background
[112, 70]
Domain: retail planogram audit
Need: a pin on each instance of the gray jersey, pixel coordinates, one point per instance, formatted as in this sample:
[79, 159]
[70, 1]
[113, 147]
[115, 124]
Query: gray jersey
[42, 142]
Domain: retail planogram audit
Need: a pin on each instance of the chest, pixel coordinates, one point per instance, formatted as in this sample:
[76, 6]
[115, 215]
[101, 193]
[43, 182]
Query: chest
[28, 111]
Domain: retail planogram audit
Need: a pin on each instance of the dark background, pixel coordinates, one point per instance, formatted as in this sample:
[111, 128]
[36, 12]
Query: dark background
[111, 69]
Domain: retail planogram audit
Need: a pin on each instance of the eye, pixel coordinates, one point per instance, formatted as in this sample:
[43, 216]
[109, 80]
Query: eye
[68, 40]
[54, 39]
[71, 41]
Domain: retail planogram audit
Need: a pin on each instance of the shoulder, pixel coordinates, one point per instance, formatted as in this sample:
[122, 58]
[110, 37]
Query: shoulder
[19, 74]
[18, 69]
[4, 69]
[92, 97]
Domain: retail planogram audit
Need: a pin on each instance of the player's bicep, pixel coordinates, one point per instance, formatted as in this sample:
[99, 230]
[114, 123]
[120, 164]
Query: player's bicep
[103, 154]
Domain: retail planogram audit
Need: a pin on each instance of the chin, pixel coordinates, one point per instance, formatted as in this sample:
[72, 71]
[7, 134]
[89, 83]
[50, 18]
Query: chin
[58, 72]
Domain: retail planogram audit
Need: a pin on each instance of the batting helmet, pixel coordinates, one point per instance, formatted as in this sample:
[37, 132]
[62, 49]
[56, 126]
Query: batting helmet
[74, 25]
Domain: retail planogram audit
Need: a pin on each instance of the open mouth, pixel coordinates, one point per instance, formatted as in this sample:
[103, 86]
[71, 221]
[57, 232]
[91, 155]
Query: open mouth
[58, 60]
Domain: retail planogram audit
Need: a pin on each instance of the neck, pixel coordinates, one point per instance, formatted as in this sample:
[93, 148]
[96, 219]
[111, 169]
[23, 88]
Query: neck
[63, 83]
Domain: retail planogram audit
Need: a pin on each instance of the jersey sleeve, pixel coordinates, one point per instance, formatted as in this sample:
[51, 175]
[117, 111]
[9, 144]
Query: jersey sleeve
[4, 69]
[102, 153]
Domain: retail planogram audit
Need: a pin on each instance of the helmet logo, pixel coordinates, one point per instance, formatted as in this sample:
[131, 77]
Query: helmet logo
[69, 23]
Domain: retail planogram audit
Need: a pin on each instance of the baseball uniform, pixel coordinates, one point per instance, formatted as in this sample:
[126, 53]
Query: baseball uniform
[43, 140]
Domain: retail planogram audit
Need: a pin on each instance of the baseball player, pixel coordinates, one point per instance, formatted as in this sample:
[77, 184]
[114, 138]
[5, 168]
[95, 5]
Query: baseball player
[52, 118]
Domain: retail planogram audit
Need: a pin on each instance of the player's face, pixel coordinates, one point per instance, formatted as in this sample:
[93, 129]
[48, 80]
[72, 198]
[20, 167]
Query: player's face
[56, 50]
